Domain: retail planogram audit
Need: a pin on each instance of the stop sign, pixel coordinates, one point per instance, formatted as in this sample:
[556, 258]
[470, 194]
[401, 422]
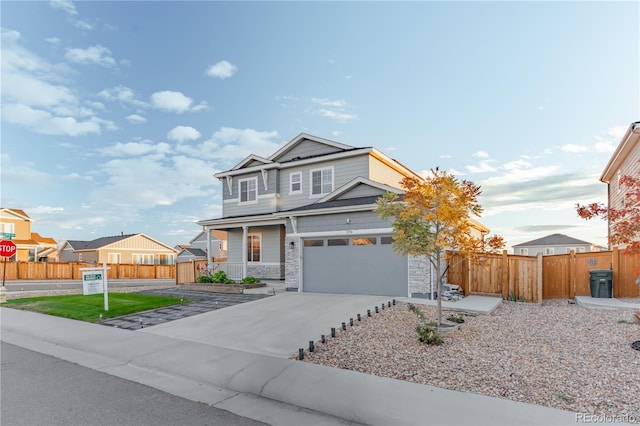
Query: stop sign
[7, 248]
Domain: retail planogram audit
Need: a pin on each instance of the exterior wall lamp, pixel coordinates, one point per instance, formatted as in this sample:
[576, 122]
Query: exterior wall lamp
[292, 245]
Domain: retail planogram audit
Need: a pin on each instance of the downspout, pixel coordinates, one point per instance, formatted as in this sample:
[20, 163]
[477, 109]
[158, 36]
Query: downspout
[208, 231]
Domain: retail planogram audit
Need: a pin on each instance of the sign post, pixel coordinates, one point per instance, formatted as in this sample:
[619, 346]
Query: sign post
[7, 249]
[94, 281]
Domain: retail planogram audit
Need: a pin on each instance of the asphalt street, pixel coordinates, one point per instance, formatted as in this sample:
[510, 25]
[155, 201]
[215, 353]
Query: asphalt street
[38, 389]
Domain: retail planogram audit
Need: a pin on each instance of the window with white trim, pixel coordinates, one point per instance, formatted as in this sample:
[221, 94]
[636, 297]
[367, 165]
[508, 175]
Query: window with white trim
[248, 190]
[321, 181]
[524, 252]
[254, 247]
[7, 228]
[114, 258]
[295, 183]
[549, 250]
[165, 259]
[143, 259]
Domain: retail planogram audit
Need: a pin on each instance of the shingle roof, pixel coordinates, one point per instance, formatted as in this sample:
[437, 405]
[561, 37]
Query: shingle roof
[196, 252]
[554, 240]
[97, 243]
[338, 203]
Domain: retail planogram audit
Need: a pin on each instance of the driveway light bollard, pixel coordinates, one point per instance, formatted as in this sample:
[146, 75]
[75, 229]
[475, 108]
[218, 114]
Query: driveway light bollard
[383, 306]
[333, 332]
[359, 319]
[100, 317]
[344, 326]
[181, 301]
[141, 325]
[377, 310]
[394, 302]
[301, 354]
[322, 338]
[368, 312]
[388, 304]
[311, 346]
[351, 322]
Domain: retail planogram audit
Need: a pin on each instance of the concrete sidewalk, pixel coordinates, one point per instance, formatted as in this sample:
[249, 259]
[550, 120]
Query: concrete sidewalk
[605, 303]
[274, 390]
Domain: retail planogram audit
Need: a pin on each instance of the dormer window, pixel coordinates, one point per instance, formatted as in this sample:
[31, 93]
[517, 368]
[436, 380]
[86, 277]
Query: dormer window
[321, 181]
[248, 190]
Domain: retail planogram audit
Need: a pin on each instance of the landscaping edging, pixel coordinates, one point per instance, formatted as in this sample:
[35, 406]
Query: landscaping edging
[220, 288]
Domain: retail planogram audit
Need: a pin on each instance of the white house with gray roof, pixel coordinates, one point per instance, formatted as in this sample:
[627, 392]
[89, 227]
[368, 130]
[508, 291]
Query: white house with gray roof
[554, 244]
[306, 214]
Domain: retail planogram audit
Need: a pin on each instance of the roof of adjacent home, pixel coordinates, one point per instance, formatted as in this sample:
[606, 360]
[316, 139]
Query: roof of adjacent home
[554, 240]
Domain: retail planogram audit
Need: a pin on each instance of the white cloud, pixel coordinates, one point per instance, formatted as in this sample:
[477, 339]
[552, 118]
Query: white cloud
[136, 149]
[171, 101]
[574, 148]
[98, 55]
[122, 94]
[222, 69]
[183, 133]
[53, 40]
[481, 154]
[136, 119]
[482, 167]
[44, 122]
[605, 146]
[337, 115]
[338, 103]
[617, 132]
[65, 5]
[230, 144]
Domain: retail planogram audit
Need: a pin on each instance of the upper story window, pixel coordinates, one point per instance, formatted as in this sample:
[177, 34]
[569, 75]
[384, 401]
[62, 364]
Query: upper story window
[295, 183]
[249, 190]
[7, 228]
[321, 181]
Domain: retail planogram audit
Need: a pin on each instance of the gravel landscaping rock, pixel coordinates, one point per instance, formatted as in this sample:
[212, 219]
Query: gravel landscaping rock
[556, 354]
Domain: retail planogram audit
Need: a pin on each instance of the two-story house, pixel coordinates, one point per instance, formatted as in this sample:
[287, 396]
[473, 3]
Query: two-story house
[306, 215]
[555, 244]
[15, 224]
[624, 161]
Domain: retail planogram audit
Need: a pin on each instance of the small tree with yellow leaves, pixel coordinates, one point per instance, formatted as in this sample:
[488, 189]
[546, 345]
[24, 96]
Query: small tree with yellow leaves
[432, 217]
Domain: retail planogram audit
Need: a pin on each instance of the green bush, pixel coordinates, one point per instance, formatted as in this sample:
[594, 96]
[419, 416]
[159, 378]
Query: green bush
[427, 331]
[220, 277]
[250, 280]
[204, 277]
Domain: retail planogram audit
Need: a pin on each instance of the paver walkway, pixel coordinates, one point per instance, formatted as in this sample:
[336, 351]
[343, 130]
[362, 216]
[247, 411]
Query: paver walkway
[202, 301]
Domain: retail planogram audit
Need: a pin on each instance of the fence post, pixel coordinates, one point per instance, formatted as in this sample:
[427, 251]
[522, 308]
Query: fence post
[504, 279]
[539, 278]
[572, 275]
[615, 265]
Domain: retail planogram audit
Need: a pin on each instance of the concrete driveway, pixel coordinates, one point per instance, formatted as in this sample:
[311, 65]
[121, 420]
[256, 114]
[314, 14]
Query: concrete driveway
[275, 326]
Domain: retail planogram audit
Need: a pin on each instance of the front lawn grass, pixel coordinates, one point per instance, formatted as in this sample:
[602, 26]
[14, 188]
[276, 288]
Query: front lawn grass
[88, 308]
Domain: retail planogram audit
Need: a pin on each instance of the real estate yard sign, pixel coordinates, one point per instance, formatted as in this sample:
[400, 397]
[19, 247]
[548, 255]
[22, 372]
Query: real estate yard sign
[94, 281]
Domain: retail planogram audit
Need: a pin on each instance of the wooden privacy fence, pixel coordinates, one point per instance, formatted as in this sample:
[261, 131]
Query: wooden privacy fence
[533, 279]
[71, 271]
[187, 272]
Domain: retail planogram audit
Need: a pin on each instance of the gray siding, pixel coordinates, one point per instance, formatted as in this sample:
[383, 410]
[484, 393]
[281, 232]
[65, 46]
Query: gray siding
[272, 244]
[380, 172]
[629, 167]
[338, 222]
[266, 197]
[306, 149]
[361, 191]
[344, 170]
[557, 249]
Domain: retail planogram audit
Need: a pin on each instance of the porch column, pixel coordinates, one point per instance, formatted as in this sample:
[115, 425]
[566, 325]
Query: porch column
[245, 237]
[208, 231]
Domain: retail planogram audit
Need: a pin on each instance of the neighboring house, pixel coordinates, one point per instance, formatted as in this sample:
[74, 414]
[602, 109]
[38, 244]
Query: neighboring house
[306, 215]
[554, 244]
[624, 161]
[198, 247]
[15, 224]
[131, 248]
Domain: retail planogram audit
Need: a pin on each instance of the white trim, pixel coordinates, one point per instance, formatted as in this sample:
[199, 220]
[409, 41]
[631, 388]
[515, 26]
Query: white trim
[301, 137]
[229, 180]
[296, 173]
[347, 232]
[355, 182]
[253, 179]
[260, 197]
[265, 175]
[321, 170]
[249, 159]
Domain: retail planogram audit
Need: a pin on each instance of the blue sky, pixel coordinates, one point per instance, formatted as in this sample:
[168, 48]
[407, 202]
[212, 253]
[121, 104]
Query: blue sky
[116, 115]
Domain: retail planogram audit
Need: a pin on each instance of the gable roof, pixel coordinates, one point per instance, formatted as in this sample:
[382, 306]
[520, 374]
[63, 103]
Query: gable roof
[102, 242]
[301, 138]
[194, 251]
[554, 240]
[630, 139]
[17, 212]
[357, 182]
[251, 158]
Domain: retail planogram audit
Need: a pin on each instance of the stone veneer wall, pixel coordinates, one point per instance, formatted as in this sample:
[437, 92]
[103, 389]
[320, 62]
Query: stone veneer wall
[420, 274]
[268, 271]
[292, 262]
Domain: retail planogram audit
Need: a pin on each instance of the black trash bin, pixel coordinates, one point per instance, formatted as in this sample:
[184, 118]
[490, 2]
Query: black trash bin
[601, 283]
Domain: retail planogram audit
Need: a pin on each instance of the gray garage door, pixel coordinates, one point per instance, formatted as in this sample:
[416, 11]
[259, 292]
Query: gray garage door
[354, 265]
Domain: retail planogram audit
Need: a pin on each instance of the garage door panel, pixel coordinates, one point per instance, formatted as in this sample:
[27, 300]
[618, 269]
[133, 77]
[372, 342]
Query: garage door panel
[360, 269]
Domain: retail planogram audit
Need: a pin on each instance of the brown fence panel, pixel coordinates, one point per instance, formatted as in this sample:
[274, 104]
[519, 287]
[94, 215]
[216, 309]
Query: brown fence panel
[31, 270]
[187, 272]
[557, 280]
[59, 271]
[523, 279]
[146, 272]
[586, 262]
[457, 271]
[486, 274]
[624, 282]
[10, 269]
[165, 271]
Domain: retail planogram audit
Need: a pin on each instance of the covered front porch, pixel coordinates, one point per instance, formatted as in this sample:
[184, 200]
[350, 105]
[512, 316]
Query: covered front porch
[255, 247]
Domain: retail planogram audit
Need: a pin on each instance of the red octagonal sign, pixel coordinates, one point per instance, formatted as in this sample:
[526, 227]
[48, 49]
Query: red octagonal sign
[7, 248]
